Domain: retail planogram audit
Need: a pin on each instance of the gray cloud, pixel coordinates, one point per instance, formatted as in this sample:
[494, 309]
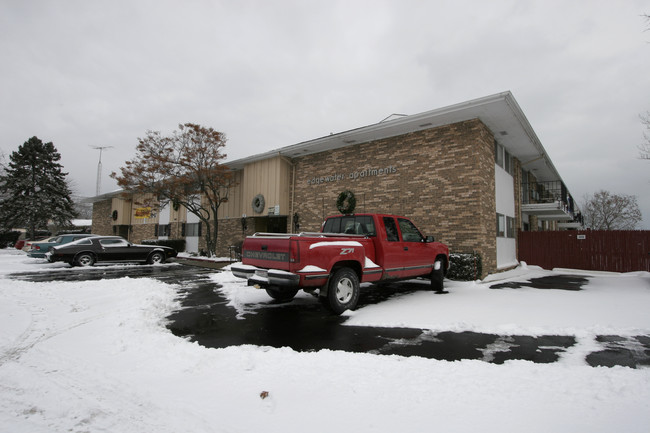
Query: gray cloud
[271, 74]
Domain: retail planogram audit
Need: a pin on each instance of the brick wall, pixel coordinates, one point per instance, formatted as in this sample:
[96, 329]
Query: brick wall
[102, 220]
[140, 232]
[230, 233]
[442, 178]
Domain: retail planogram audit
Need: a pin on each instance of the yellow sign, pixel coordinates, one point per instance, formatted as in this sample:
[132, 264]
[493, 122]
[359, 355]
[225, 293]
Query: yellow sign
[143, 212]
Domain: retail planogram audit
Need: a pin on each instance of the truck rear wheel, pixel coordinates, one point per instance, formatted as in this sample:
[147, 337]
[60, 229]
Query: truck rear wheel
[282, 294]
[343, 290]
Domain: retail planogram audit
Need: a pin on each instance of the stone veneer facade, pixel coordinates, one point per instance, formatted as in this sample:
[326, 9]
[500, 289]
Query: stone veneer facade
[102, 221]
[442, 178]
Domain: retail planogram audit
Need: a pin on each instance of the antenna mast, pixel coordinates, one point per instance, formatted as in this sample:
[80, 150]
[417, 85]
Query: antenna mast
[98, 185]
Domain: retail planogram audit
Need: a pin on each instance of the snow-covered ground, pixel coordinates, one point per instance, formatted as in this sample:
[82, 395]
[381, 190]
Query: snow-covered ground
[96, 357]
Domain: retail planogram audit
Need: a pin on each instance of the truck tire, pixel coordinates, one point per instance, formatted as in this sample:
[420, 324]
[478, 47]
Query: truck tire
[438, 276]
[343, 290]
[282, 294]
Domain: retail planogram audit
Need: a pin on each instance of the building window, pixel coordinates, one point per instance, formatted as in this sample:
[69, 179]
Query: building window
[507, 162]
[503, 159]
[498, 154]
[192, 229]
[163, 230]
[510, 226]
[501, 225]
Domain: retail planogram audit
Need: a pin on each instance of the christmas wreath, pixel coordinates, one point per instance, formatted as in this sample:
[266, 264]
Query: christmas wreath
[346, 202]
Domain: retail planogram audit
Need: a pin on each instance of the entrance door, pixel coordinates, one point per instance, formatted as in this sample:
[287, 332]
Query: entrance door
[192, 233]
[121, 230]
[271, 224]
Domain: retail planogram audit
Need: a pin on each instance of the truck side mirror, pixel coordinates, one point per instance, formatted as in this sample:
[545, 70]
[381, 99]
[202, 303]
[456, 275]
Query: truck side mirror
[429, 239]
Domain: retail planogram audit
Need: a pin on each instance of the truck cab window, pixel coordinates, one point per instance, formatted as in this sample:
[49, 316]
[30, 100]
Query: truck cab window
[332, 225]
[351, 225]
[410, 233]
[391, 230]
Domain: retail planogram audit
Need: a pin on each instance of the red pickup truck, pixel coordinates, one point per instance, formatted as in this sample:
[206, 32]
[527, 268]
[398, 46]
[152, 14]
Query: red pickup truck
[349, 250]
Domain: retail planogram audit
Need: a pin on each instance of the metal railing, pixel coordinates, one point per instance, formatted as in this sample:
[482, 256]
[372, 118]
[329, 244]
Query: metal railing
[550, 192]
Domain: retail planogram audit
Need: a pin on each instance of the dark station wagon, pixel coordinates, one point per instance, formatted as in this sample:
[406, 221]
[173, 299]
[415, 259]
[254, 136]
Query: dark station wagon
[108, 249]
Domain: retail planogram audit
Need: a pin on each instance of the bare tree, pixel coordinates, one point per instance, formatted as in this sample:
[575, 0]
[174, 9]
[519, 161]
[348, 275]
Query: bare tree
[185, 169]
[606, 211]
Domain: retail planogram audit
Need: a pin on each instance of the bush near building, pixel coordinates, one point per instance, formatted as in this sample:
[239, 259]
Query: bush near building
[8, 239]
[465, 266]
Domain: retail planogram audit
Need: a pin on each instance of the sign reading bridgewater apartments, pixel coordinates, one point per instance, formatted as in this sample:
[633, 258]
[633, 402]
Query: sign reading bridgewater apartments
[369, 172]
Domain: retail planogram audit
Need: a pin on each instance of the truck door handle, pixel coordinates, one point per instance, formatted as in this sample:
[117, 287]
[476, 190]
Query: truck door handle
[406, 248]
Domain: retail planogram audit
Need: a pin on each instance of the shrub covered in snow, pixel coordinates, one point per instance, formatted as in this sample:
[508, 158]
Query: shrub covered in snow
[8, 238]
[465, 266]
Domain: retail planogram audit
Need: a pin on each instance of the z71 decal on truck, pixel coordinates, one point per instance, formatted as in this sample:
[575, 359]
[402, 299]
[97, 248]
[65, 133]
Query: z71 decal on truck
[349, 250]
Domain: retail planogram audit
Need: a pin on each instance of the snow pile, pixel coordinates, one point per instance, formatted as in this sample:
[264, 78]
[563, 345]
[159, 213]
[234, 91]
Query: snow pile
[95, 356]
[611, 303]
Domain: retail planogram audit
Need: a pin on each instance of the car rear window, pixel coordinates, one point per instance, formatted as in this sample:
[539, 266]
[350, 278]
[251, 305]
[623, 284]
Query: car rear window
[113, 242]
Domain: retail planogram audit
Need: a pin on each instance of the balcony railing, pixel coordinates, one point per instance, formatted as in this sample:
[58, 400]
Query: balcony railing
[551, 193]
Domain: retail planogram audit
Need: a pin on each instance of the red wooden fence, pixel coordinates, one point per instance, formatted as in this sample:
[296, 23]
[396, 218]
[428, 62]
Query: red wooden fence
[616, 251]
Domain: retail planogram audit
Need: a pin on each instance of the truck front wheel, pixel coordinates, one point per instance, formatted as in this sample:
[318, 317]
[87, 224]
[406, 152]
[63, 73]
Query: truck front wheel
[438, 276]
[343, 290]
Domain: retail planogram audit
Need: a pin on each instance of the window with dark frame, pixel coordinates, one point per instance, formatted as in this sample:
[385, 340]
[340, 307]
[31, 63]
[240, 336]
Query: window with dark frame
[510, 227]
[192, 229]
[163, 230]
[501, 225]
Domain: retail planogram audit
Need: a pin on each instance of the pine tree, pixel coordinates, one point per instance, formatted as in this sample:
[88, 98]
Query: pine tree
[33, 188]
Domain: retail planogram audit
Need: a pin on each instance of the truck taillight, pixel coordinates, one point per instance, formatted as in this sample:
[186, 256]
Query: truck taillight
[294, 252]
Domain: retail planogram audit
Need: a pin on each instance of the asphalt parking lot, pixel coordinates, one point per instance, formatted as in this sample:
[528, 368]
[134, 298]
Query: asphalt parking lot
[206, 318]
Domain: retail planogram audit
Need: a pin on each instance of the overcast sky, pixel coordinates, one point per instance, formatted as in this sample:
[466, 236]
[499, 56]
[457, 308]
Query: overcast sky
[274, 73]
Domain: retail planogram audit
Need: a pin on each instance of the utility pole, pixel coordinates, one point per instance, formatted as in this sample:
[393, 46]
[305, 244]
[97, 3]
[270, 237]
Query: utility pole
[98, 185]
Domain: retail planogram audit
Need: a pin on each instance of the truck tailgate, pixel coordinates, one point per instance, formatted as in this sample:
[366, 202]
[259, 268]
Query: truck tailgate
[272, 251]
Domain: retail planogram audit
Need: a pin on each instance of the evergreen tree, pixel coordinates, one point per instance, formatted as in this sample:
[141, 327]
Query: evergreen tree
[33, 188]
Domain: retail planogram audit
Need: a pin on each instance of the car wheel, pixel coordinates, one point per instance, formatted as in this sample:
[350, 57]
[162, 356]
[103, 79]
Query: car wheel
[438, 275]
[343, 290]
[282, 294]
[156, 257]
[85, 259]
